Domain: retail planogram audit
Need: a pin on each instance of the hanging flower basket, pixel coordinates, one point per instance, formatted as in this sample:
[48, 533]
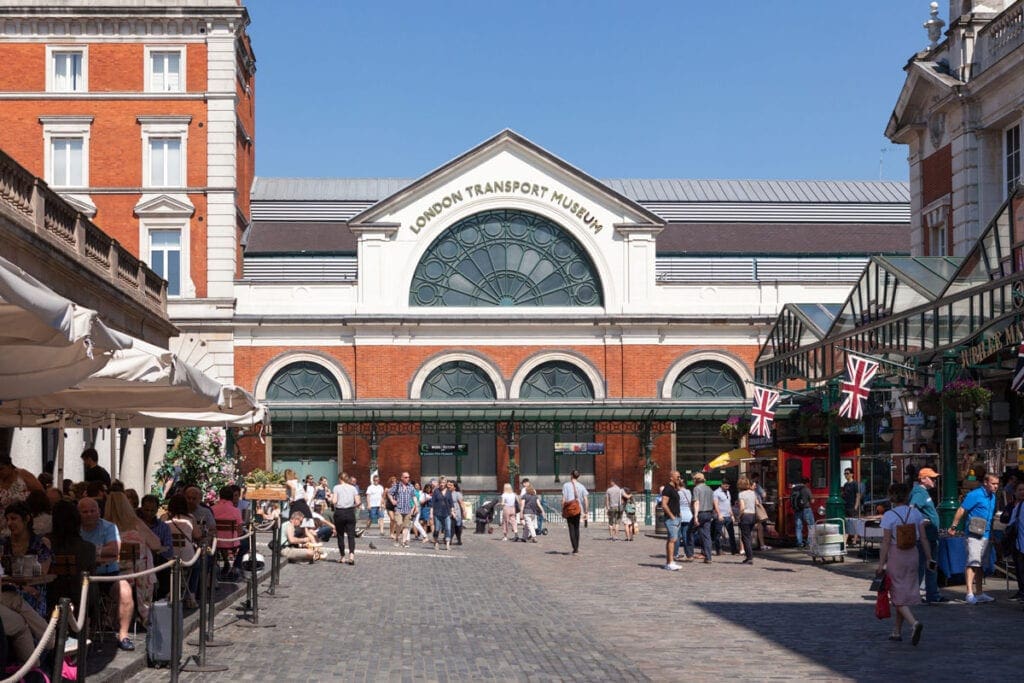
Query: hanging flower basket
[734, 429]
[965, 396]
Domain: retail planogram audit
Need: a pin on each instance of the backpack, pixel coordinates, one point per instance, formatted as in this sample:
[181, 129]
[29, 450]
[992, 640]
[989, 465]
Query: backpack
[906, 533]
[797, 499]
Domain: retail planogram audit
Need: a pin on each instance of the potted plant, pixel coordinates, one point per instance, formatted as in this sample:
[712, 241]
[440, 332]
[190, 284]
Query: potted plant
[965, 395]
[734, 428]
[929, 402]
[197, 457]
[265, 485]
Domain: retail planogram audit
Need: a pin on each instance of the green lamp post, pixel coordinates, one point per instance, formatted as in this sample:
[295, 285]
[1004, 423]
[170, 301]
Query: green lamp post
[374, 445]
[948, 502]
[835, 506]
[648, 441]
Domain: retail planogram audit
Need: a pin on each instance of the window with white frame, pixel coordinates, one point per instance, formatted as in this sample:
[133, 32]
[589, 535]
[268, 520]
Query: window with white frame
[165, 257]
[66, 145]
[67, 69]
[1011, 157]
[165, 69]
[164, 145]
[165, 162]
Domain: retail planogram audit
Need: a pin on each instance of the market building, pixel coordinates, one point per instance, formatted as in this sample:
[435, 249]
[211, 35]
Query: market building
[952, 311]
[508, 302]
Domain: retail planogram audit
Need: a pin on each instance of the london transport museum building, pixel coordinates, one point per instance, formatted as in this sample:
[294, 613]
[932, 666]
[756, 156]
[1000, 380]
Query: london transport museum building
[467, 321]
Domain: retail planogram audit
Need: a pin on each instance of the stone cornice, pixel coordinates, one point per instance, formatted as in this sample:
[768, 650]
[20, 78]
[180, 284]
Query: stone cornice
[120, 24]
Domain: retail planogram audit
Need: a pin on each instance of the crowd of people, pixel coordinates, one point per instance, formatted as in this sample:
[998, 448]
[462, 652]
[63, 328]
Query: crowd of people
[99, 527]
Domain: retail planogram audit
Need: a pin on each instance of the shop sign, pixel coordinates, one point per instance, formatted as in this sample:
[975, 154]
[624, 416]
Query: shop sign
[1011, 336]
[567, 202]
[443, 449]
[579, 448]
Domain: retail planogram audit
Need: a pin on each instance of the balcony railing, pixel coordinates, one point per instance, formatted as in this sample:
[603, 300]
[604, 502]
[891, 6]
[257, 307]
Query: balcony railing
[1001, 36]
[28, 202]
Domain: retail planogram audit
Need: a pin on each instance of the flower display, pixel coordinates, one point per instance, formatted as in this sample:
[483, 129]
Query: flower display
[733, 428]
[965, 395]
[198, 458]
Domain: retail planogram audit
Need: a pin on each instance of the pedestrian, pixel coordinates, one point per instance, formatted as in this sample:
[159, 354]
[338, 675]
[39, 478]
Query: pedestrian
[759, 491]
[979, 507]
[403, 497]
[613, 508]
[389, 508]
[423, 522]
[296, 495]
[800, 499]
[922, 500]
[1016, 517]
[748, 518]
[441, 505]
[685, 524]
[723, 519]
[509, 503]
[458, 512]
[374, 495]
[346, 502]
[851, 493]
[704, 513]
[902, 530]
[531, 510]
[670, 507]
[628, 514]
[574, 506]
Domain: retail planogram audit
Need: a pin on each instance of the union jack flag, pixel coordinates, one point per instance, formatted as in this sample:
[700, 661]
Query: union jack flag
[763, 412]
[859, 372]
[1018, 373]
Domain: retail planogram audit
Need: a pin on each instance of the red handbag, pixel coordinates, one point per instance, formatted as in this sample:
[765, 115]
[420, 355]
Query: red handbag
[882, 609]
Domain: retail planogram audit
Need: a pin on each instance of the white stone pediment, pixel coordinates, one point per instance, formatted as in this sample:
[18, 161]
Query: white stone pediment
[506, 171]
[926, 86]
[169, 205]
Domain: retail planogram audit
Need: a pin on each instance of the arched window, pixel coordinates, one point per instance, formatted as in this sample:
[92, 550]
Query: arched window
[303, 381]
[505, 258]
[707, 379]
[556, 379]
[458, 380]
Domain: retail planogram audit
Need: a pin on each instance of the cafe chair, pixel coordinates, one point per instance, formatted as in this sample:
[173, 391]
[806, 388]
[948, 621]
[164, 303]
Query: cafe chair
[228, 528]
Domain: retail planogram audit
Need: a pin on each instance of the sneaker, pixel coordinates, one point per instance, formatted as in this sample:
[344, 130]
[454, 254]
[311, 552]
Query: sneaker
[126, 644]
[985, 597]
[672, 567]
[970, 599]
[916, 637]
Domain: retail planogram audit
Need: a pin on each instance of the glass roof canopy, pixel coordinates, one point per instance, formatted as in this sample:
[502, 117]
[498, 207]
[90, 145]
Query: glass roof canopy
[911, 307]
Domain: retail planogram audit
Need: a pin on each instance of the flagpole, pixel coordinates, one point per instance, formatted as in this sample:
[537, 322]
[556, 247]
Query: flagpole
[781, 391]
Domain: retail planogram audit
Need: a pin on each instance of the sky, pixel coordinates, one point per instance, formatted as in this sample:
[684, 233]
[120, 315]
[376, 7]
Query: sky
[715, 89]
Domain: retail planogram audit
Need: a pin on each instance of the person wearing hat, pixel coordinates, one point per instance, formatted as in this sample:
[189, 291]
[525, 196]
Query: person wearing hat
[922, 500]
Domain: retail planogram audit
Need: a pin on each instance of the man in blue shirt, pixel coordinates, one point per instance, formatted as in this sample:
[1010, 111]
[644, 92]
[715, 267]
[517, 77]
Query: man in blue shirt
[979, 503]
[101, 534]
[922, 500]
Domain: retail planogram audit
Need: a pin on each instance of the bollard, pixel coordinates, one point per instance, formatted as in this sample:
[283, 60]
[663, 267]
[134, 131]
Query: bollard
[212, 611]
[204, 597]
[61, 639]
[275, 562]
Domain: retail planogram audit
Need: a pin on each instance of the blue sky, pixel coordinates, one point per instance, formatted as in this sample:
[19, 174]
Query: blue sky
[784, 89]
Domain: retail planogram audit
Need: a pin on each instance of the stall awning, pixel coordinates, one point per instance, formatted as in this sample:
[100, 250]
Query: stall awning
[409, 411]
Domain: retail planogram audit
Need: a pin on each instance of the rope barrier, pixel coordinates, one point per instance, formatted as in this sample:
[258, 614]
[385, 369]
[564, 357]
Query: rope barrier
[78, 622]
[134, 575]
[235, 540]
[37, 653]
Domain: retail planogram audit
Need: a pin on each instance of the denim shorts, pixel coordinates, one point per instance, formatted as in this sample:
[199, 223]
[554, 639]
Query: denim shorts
[672, 526]
[374, 515]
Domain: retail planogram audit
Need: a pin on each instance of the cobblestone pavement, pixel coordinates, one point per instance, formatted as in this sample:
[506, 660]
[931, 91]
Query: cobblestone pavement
[491, 610]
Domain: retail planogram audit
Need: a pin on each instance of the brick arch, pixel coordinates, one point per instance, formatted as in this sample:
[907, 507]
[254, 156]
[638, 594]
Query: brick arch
[733, 363]
[475, 359]
[280, 362]
[597, 381]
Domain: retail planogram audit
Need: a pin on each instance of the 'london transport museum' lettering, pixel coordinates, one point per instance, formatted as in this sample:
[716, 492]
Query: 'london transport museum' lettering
[565, 201]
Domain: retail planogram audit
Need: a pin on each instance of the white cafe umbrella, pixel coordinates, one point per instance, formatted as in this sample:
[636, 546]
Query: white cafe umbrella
[47, 342]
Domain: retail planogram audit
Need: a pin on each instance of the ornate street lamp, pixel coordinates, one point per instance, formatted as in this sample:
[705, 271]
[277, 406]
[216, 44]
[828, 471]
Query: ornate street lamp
[908, 398]
[374, 445]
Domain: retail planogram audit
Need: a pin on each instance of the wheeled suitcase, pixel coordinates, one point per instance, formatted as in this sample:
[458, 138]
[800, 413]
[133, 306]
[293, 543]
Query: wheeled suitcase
[158, 633]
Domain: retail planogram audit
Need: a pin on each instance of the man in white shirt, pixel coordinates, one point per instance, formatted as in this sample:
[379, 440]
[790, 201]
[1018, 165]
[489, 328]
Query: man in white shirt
[723, 519]
[346, 502]
[374, 500]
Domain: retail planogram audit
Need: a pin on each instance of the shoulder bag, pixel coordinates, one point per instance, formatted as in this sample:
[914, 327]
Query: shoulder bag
[760, 513]
[977, 526]
[572, 508]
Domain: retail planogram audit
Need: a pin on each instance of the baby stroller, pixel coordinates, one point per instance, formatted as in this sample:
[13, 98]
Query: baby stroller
[485, 516]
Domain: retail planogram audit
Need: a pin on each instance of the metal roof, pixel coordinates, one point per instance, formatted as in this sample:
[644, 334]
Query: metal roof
[640, 190]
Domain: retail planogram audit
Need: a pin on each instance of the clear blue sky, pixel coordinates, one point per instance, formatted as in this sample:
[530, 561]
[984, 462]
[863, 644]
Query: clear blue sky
[785, 89]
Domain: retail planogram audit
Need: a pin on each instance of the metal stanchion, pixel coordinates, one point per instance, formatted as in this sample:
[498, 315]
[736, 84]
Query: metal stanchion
[211, 608]
[176, 626]
[204, 597]
[83, 634]
[254, 600]
[275, 562]
[61, 640]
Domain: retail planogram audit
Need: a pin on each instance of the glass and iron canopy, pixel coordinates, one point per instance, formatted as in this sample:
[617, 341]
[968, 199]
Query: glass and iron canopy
[910, 309]
[505, 258]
